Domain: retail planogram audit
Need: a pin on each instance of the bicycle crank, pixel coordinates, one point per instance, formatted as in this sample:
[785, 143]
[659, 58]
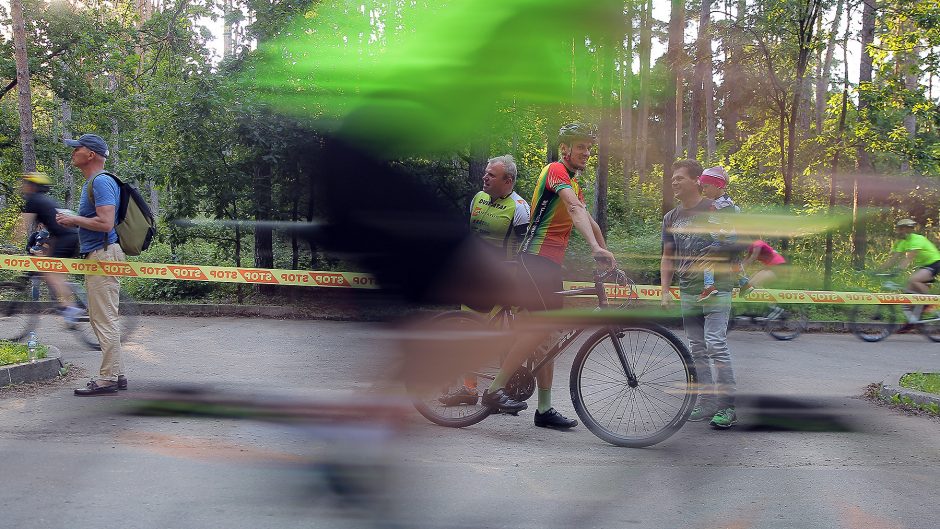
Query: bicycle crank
[521, 384]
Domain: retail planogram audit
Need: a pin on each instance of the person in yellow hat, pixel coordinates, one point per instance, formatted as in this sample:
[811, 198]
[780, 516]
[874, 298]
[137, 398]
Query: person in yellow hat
[914, 248]
[40, 208]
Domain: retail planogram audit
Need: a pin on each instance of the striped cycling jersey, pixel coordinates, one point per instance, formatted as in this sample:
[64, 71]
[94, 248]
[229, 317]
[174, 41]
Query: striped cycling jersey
[500, 221]
[550, 225]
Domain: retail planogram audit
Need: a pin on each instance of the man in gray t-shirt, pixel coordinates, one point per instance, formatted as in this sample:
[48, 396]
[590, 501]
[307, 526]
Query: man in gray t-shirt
[687, 242]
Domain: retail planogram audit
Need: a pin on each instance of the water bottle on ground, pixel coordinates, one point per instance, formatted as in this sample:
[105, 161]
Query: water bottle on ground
[32, 343]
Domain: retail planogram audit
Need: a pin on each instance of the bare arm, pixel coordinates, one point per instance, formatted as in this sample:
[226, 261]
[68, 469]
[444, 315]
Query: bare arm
[103, 221]
[667, 268]
[893, 260]
[751, 257]
[586, 227]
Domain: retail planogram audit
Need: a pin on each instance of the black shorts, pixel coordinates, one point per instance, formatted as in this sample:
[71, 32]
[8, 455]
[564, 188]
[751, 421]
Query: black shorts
[65, 246]
[934, 270]
[539, 281]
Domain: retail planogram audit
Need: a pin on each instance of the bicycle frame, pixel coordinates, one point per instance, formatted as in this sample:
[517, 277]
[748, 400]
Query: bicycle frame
[561, 345]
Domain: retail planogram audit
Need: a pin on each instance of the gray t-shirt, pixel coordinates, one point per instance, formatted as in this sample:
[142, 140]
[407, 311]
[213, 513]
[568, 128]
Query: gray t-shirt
[690, 232]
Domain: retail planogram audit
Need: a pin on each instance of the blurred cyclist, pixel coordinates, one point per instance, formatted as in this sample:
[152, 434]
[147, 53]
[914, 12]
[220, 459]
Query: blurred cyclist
[62, 241]
[914, 248]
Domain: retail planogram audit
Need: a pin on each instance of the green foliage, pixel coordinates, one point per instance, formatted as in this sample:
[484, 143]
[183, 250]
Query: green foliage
[17, 353]
[926, 382]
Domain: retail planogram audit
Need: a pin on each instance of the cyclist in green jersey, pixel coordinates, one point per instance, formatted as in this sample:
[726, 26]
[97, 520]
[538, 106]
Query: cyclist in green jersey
[498, 214]
[914, 248]
[500, 217]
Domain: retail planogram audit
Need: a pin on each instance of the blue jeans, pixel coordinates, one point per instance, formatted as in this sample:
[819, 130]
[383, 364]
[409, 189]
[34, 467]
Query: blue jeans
[706, 326]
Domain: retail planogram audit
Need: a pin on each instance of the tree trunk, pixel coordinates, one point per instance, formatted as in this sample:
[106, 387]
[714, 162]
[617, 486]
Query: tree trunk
[479, 153]
[22, 86]
[864, 167]
[642, 137]
[806, 25]
[227, 29]
[840, 140]
[264, 251]
[294, 242]
[910, 71]
[822, 82]
[606, 71]
[703, 71]
[67, 178]
[626, 109]
[672, 121]
[735, 82]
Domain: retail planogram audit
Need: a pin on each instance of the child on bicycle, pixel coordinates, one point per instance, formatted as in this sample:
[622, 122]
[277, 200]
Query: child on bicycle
[714, 183]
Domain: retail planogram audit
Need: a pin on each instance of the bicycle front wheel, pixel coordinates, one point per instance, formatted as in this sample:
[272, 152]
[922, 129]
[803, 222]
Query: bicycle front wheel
[788, 324]
[445, 403]
[931, 323]
[17, 315]
[644, 414]
[874, 323]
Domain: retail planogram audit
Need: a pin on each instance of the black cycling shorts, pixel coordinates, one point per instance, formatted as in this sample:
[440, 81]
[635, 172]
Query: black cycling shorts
[934, 269]
[539, 281]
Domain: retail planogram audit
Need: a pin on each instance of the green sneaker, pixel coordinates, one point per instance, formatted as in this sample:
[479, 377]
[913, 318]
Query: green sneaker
[698, 414]
[724, 418]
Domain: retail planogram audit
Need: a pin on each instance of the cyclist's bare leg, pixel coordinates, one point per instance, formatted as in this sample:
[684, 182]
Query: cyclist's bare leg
[918, 283]
[62, 292]
[524, 346]
[764, 277]
[544, 378]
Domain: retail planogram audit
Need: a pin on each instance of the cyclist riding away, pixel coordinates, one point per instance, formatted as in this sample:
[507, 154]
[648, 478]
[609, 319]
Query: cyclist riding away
[63, 241]
[557, 207]
[499, 217]
[914, 248]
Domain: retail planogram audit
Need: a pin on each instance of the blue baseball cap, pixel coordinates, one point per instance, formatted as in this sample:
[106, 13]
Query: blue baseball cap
[92, 142]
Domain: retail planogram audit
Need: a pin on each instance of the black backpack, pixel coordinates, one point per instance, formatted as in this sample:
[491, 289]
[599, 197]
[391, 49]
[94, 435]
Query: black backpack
[134, 224]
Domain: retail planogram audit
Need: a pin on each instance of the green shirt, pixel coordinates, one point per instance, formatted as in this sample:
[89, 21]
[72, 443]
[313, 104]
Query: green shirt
[927, 253]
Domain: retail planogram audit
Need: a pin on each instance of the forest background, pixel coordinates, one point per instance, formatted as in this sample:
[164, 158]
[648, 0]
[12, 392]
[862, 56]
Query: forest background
[761, 87]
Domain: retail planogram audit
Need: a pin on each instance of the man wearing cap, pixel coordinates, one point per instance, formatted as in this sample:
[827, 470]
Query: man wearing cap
[914, 248]
[98, 241]
[686, 243]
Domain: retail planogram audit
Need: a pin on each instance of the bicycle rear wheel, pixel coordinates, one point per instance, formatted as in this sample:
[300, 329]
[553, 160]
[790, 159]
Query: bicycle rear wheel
[633, 416]
[874, 323]
[17, 317]
[430, 399]
[127, 309]
[789, 324]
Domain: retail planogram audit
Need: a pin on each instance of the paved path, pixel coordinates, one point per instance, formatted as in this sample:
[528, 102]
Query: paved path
[69, 461]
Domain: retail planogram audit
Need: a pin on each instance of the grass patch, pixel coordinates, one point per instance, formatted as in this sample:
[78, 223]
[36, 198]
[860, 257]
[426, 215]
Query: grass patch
[926, 382]
[17, 353]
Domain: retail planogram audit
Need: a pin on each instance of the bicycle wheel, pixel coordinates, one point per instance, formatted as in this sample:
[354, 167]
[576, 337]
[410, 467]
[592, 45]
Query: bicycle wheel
[931, 325]
[636, 416]
[129, 318]
[430, 398]
[874, 323]
[17, 317]
[789, 324]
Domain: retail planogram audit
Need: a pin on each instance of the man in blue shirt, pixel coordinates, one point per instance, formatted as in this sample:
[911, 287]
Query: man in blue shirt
[98, 240]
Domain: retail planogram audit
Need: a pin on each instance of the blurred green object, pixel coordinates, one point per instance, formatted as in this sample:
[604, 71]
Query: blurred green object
[428, 76]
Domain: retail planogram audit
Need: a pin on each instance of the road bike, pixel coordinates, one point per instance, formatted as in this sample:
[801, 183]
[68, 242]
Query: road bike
[632, 384]
[874, 323]
[783, 322]
[23, 300]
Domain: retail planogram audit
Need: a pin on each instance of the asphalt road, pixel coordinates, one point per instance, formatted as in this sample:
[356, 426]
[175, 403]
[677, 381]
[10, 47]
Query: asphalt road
[80, 462]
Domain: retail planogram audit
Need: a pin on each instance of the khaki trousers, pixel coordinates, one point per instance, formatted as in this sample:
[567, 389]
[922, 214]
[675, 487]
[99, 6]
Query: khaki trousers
[103, 297]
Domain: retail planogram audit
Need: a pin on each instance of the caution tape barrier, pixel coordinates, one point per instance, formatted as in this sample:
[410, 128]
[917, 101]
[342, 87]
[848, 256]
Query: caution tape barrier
[223, 274]
[275, 276]
[760, 295]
